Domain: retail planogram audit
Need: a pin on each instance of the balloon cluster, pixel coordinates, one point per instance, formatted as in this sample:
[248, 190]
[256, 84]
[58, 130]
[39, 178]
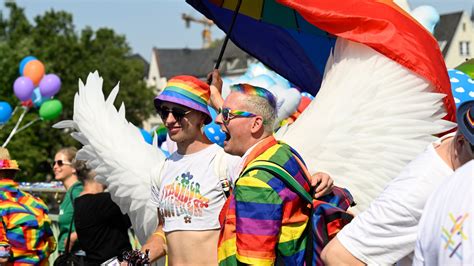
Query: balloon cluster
[35, 88]
[290, 101]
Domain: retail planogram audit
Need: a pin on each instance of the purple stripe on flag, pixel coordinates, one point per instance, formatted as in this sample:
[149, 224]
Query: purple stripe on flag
[258, 227]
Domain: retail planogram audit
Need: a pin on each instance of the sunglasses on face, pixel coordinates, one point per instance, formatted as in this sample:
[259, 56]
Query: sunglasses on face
[60, 163]
[178, 113]
[228, 114]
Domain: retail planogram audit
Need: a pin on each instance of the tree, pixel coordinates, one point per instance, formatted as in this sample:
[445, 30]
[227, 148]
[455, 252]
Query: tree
[53, 39]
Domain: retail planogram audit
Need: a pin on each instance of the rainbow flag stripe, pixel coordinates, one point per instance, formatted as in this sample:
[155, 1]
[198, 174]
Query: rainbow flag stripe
[264, 218]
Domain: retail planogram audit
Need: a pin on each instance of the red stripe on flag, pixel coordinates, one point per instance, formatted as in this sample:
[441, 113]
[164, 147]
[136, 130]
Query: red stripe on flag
[387, 29]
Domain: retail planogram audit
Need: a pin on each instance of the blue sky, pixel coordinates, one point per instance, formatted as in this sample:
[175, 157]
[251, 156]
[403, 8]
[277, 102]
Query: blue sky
[158, 23]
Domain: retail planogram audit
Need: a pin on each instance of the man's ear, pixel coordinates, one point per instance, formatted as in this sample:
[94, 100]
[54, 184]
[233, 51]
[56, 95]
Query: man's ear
[257, 124]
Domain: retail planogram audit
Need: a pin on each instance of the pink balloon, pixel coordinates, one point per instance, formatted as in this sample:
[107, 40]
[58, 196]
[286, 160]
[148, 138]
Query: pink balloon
[49, 85]
[23, 88]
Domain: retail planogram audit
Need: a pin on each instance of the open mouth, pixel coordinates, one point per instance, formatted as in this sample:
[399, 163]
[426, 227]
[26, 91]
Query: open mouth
[227, 136]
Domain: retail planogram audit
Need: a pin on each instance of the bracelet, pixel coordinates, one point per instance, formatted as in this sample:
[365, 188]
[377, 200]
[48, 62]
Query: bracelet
[161, 234]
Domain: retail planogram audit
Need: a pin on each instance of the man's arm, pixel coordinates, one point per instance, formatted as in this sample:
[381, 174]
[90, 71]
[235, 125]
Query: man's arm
[334, 253]
[216, 100]
[156, 243]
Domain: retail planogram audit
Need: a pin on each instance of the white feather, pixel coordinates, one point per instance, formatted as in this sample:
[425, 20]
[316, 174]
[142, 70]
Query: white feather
[370, 117]
[115, 149]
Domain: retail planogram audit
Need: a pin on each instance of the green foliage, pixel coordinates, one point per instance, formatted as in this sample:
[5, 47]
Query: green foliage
[71, 55]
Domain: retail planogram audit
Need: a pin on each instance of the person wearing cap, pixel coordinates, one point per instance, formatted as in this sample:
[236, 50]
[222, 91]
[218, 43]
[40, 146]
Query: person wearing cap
[188, 193]
[26, 237]
[445, 234]
[386, 232]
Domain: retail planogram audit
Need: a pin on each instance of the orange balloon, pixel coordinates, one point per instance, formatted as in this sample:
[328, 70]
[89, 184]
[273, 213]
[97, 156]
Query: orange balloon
[34, 70]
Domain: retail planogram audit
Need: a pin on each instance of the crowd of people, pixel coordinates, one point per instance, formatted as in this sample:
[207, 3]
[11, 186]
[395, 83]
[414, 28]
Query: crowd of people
[259, 220]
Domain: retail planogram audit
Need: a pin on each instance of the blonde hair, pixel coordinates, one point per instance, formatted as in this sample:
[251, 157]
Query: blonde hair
[69, 152]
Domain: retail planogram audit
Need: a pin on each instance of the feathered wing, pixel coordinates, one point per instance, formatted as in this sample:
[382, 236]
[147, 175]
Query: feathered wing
[115, 149]
[369, 119]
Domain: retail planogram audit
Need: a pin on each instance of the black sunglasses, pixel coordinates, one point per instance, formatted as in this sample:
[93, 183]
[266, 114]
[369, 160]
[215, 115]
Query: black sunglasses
[178, 113]
[60, 163]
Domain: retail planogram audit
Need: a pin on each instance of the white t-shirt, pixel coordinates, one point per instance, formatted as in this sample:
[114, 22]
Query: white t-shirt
[190, 194]
[445, 230]
[386, 231]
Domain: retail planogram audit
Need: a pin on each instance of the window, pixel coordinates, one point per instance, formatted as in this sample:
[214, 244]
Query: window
[464, 26]
[464, 48]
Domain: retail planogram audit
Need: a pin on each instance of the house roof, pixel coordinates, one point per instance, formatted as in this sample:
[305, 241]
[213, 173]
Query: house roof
[146, 65]
[198, 62]
[445, 29]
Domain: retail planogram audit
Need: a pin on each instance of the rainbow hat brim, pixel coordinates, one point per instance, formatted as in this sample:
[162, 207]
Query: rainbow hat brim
[465, 119]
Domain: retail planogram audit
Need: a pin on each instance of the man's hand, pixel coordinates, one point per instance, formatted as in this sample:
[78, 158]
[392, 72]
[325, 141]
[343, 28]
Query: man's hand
[323, 184]
[216, 99]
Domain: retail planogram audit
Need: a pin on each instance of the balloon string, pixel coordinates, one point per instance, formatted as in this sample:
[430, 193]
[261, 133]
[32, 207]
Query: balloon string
[27, 125]
[25, 110]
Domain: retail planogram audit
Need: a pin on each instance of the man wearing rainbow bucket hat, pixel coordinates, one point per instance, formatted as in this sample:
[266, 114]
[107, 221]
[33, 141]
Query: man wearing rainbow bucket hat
[190, 191]
[188, 194]
[25, 228]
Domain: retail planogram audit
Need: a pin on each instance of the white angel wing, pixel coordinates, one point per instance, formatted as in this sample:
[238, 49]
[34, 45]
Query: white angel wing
[115, 149]
[370, 117]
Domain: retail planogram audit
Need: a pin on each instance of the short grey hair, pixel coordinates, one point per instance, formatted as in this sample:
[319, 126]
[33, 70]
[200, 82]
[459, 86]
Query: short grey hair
[260, 102]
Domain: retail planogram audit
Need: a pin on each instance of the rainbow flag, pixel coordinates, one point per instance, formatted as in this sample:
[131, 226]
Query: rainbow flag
[295, 37]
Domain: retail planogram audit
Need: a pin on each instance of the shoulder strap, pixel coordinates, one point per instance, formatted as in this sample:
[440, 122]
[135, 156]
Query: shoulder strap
[220, 169]
[282, 174]
[68, 241]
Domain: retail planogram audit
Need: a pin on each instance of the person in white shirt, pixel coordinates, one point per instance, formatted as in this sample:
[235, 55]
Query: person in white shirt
[445, 230]
[189, 192]
[385, 233]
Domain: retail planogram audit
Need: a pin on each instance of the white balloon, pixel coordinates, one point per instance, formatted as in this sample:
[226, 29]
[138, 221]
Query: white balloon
[287, 101]
[262, 81]
[427, 16]
[257, 69]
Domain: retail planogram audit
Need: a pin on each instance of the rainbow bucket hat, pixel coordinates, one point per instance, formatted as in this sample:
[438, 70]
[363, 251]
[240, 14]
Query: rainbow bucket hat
[187, 91]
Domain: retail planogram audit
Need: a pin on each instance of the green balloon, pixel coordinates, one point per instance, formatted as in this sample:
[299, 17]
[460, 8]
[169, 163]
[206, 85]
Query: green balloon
[50, 109]
[467, 67]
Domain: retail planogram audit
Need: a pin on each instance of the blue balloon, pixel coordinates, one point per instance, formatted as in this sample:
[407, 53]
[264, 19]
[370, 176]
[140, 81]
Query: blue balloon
[37, 99]
[213, 131]
[146, 136]
[5, 112]
[462, 86]
[25, 61]
[213, 112]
